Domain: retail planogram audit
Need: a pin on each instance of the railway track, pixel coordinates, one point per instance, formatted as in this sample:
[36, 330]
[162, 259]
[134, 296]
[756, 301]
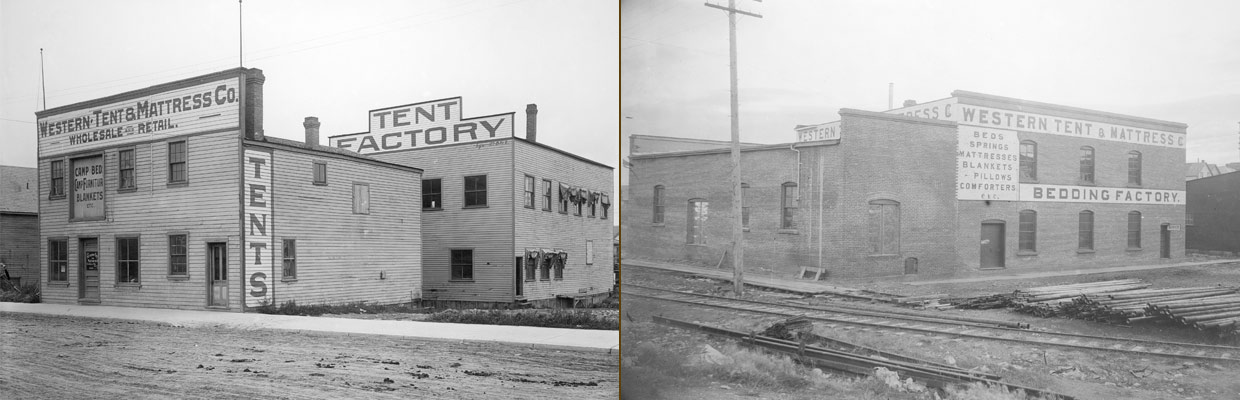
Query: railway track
[834, 317]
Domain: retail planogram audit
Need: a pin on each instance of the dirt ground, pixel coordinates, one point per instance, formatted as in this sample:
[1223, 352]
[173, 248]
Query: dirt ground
[45, 356]
[1081, 373]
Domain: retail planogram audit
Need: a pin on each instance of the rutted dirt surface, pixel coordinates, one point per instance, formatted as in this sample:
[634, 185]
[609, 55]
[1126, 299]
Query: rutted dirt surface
[43, 356]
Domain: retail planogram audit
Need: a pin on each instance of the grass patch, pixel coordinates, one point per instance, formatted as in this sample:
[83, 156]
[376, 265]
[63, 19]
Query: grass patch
[292, 308]
[577, 319]
[25, 293]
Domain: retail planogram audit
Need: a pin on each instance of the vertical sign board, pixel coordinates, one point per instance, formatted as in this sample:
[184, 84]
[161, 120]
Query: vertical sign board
[88, 193]
[259, 227]
[987, 164]
[198, 108]
[422, 125]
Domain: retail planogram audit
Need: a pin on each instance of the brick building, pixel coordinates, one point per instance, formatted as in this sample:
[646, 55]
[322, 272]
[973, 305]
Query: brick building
[19, 223]
[173, 197]
[970, 182]
[506, 220]
[1213, 214]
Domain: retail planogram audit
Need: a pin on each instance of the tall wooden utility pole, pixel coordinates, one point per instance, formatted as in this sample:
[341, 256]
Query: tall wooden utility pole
[738, 247]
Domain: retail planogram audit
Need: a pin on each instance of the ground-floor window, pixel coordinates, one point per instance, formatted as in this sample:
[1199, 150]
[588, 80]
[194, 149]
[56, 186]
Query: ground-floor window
[463, 265]
[1086, 228]
[544, 270]
[1134, 230]
[1028, 230]
[58, 260]
[128, 260]
[177, 263]
[696, 226]
[289, 255]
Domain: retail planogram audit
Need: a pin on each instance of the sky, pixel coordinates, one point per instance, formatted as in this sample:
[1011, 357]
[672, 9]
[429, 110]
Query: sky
[804, 60]
[334, 60]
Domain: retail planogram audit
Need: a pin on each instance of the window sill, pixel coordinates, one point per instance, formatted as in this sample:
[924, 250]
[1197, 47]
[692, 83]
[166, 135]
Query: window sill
[177, 184]
[1133, 249]
[1027, 180]
[559, 279]
[433, 209]
[128, 285]
[745, 229]
[320, 183]
[788, 231]
[461, 280]
[883, 256]
[657, 225]
[178, 277]
[127, 190]
[62, 284]
[1084, 251]
[1135, 186]
[1086, 183]
[1027, 253]
[547, 209]
[288, 280]
[57, 197]
[530, 280]
[477, 206]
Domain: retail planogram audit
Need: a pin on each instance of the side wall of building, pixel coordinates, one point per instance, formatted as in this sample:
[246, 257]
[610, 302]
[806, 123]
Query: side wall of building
[205, 209]
[1214, 212]
[487, 231]
[543, 226]
[343, 256]
[19, 246]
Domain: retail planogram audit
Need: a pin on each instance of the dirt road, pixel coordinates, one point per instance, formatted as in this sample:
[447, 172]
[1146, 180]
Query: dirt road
[44, 356]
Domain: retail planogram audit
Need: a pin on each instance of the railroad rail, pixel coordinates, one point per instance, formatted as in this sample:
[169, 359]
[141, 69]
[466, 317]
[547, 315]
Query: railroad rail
[898, 321]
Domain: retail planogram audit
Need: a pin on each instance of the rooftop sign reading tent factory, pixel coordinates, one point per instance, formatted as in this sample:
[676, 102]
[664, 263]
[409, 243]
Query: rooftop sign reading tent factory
[422, 125]
[209, 106]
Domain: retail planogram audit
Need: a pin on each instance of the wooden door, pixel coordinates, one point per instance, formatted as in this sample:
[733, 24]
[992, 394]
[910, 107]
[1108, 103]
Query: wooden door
[1165, 236]
[519, 281]
[88, 270]
[217, 271]
[992, 245]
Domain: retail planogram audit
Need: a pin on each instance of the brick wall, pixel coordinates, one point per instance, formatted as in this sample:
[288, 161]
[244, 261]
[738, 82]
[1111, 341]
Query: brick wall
[1214, 204]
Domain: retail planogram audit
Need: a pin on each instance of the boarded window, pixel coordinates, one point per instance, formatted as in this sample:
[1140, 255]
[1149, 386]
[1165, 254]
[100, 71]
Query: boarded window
[529, 191]
[658, 204]
[125, 169]
[1087, 164]
[290, 258]
[177, 250]
[128, 260]
[432, 194]
[176, 162]
[788, 206]
[1134, 168]
[1134, 230]
[546, 195]
[1028, 230]
[699, 211]
[476, 191]
[57, 186]
[884, 227]
[58, 260]
[1085, 239]
[589, 252]
[361, 198]
[1028, 160]
[320, 173]
[463, 265]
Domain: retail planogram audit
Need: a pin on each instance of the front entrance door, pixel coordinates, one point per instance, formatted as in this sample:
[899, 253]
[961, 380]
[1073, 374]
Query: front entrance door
[217, 270]
[520, 281]
[992, 245]
[88, 270]
[1165, 235]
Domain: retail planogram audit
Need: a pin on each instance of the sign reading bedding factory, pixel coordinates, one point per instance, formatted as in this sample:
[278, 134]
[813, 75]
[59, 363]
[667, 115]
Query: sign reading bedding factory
[1092, 194]
[966, 114]
[259, 262]
[820, 132]
[423, 125]
[207, 106]
[987, 164]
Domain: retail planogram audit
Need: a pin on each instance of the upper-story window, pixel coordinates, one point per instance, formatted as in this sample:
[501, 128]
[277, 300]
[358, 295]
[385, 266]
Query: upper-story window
[177, 172]
[361, 198]
[546, 195]
[529, 192]
[57, 186]
[1134, 168]
[476, 191]
[320, 173]
[1028, 160]
[432, 194]
[125, 167]
[1087, 164]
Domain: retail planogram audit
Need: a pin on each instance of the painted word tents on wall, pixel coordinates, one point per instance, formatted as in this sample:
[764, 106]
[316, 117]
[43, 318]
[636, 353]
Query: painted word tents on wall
[259, 222]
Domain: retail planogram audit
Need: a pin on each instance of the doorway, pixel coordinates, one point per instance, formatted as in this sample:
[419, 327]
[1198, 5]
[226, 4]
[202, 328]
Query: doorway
[217, 270]
[1164, 233]
[88, 270]
[519, 281]
[992, 256]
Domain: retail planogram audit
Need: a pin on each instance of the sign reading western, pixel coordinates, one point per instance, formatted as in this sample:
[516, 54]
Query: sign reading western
[259, 259]
[820, 132]
[1091, 194]
[87, 190]
[197, 108]
[423, 125]
[987, 164]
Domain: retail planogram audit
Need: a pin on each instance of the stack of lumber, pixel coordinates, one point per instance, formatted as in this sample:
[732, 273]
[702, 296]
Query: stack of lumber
[1135, 305]
[1059, 300]
[1217, 310]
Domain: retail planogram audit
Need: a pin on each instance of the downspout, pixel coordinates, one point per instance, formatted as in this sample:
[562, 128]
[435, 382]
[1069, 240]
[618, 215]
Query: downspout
[821, 157]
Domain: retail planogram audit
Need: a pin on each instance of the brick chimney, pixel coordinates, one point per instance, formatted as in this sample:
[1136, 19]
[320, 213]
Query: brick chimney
[312, 131]
[254, 79]
[910, 103]
[531, 122]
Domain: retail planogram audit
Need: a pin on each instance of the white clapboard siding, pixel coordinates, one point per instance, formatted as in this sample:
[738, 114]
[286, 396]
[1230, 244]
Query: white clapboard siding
[340, 255]
[206, 209]
[488, 231]
[549, 229]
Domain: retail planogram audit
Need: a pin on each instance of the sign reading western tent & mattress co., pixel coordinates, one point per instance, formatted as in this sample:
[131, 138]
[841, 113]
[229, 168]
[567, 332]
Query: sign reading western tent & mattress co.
[87, 191]
[209, 106]
[987, 164]
[422, 125]
[259, 259]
